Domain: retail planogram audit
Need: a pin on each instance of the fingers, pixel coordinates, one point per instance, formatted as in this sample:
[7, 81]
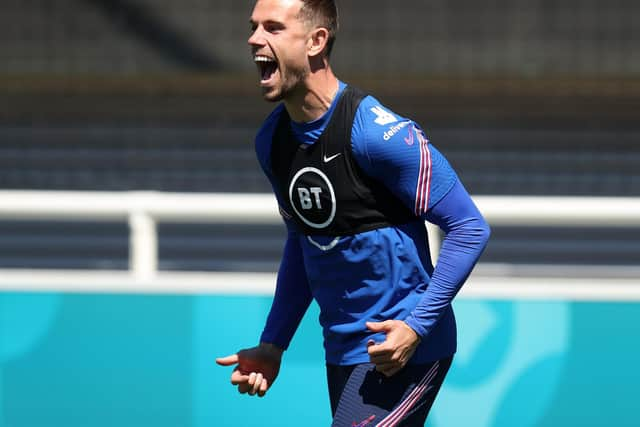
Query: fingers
[380, 359]
[263, 388]
[383, 361]
[384, 358]
[228, 360]
[253, 384]
[256, 384]
[382, 350]
[379, 326]
[238, 377]
[386, 364]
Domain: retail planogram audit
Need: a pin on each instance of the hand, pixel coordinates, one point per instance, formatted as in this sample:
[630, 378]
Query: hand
[256, 370]
[391, 355]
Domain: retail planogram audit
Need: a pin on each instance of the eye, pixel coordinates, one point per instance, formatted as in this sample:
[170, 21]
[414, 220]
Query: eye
[273, 27]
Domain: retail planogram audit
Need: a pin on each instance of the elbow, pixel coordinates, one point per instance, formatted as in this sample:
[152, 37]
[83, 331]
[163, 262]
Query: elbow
[479, 232]
[473, 234]
[485, 232]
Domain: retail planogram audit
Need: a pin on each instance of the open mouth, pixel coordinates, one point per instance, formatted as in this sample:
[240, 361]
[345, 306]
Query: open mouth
[267, 67]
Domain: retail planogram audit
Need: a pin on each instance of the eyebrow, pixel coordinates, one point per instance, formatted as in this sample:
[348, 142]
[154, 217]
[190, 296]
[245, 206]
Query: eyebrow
[268, 22]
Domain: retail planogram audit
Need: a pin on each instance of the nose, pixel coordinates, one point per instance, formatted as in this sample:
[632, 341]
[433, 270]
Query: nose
[256, 39]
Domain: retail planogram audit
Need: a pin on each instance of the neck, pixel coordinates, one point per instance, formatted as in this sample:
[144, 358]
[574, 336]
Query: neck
[314, 97]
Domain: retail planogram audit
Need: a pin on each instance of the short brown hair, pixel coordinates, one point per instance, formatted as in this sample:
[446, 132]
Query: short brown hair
[321, 13]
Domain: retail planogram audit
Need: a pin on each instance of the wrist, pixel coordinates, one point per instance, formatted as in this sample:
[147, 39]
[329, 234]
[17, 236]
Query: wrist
[412, 323]
[413, 332]
[272, 349]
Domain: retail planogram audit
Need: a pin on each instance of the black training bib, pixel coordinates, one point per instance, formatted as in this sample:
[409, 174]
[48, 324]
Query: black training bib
[323, 188]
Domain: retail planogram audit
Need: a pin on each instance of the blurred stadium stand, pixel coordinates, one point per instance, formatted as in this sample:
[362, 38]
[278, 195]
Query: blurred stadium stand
[590, 38]
[524, 97]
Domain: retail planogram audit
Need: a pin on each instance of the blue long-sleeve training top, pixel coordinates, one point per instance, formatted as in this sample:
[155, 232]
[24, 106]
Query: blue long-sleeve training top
[385, 273]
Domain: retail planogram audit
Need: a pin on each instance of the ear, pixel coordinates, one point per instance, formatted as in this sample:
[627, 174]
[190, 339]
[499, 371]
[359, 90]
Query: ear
[317, 41]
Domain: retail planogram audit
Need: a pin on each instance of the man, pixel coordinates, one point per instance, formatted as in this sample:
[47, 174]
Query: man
[355, 183]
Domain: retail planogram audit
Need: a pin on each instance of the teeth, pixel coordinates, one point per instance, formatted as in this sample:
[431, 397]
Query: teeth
[263, 59]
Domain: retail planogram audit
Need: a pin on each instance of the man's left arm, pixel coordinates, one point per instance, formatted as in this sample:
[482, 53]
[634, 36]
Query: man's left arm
[418, 174]
[466, 235]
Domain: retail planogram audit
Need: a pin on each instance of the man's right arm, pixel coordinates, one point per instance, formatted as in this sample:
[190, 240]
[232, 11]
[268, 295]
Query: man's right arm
[292, 296]
[258, 367]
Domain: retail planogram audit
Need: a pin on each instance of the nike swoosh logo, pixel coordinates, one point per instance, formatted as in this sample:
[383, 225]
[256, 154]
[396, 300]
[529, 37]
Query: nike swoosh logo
[409, 139]
[328, 159]
[364, 422]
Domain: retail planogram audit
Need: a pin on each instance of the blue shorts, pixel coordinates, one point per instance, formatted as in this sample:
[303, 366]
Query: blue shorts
[360, 396]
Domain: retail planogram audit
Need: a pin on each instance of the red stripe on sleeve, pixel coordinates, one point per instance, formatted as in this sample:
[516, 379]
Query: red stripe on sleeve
[423, 188]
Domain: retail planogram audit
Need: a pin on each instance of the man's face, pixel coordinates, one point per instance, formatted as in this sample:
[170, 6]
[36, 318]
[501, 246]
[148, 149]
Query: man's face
[279, 46]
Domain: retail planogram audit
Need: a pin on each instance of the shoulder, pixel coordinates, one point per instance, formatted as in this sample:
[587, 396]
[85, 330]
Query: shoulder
[265, 132]
[265, 135]
[377, 122]
[377, 126]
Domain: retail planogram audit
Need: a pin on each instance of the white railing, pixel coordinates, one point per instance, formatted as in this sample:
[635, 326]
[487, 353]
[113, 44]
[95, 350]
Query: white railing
[143, 210]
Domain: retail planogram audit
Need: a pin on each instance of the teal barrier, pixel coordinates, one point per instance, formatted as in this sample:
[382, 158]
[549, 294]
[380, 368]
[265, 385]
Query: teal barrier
[73, 360]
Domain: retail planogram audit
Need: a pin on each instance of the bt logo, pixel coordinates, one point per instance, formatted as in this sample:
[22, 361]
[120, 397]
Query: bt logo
[312, 197]
[305, 197]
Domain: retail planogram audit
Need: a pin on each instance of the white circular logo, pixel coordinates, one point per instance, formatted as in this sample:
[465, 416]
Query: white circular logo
[312, 197]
